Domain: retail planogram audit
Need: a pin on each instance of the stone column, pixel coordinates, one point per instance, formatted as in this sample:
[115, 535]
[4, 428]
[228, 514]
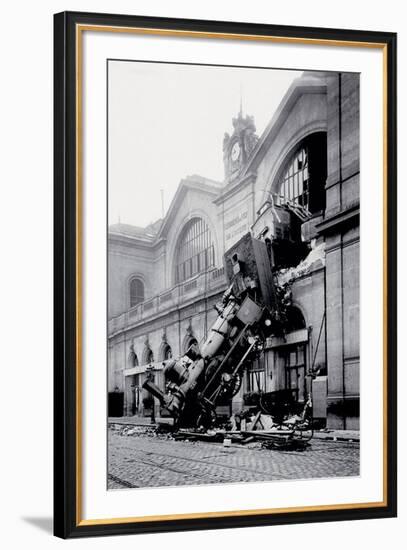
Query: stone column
[334, 320]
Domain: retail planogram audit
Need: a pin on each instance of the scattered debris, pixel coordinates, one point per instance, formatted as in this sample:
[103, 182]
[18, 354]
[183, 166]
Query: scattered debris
[256, 431]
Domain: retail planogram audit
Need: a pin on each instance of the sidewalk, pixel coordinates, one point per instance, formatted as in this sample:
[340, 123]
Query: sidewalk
[328, 435]
[338, 435]
[137, 420]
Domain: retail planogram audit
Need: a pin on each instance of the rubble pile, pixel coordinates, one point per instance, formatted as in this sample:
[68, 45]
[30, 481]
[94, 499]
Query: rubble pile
[140, 430]
[315, 259]
[255, 431]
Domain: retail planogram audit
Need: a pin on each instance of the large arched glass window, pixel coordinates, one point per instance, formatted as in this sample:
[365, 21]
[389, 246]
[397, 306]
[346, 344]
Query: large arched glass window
[302, 181]
[136, 291]
[195, 250]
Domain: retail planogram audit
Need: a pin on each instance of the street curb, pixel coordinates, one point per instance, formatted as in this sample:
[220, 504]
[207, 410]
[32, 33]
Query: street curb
[326, 437]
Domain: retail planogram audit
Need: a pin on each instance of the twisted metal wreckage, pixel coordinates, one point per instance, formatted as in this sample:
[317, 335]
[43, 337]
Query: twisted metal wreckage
[255, 306]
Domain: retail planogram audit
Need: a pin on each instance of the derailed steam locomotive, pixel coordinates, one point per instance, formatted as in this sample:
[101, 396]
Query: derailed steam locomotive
[249, 312]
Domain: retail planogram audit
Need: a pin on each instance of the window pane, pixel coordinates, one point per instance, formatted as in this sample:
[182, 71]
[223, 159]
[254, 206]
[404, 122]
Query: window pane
[292, 183]
[136, 291]
[194, 265]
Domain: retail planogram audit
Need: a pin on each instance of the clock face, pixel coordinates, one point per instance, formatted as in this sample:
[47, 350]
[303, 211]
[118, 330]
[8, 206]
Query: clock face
[235, 151]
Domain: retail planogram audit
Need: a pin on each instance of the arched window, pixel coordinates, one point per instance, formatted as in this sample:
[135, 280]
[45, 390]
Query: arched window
[136, 291]
[195, 250]
[295, 319]
[188, 342]
[132, 359]
[167, 352]
[302, 181]
[148, 355]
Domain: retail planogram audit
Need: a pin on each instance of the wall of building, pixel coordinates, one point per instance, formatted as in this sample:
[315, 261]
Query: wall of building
[236, 207]
[126, 258]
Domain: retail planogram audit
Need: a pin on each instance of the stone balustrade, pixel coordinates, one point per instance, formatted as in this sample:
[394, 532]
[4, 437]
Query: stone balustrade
[171, 299]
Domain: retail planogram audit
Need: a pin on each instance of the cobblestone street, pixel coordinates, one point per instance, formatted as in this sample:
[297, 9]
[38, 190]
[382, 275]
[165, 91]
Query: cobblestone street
[146, 461]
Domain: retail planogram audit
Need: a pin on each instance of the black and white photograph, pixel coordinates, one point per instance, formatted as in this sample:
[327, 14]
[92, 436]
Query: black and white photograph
[233, 274]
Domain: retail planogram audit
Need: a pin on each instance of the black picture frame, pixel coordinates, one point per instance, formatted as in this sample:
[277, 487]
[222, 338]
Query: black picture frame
[67, 522]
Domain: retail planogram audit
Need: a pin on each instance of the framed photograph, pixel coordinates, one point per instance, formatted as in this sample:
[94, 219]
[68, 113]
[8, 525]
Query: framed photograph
[225, 274]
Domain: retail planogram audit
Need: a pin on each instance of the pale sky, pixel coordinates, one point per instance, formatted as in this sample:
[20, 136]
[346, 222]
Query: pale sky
[167, 121]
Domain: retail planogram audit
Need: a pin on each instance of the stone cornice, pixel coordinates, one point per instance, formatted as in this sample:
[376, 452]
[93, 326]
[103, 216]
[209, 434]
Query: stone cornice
[131, 241]
[350, 216]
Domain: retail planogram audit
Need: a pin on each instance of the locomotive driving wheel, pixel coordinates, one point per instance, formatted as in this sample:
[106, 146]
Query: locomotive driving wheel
[230, 384]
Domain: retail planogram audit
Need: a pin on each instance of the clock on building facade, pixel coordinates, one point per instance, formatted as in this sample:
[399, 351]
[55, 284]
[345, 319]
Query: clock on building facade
[238, 147]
